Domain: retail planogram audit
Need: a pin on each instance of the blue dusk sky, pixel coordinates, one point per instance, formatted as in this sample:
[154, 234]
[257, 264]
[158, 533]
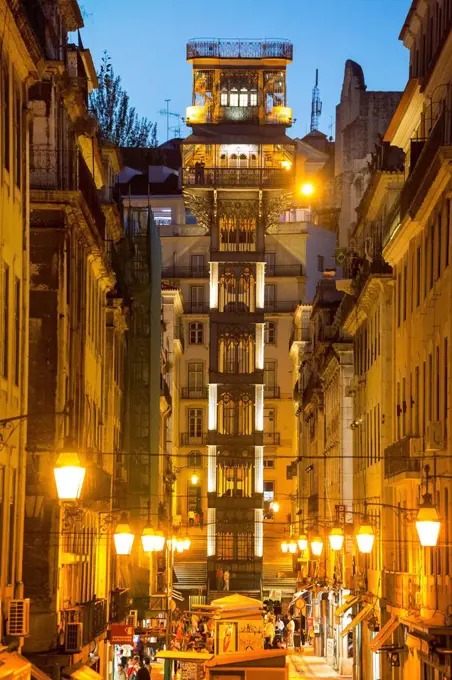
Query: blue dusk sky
[146, 41]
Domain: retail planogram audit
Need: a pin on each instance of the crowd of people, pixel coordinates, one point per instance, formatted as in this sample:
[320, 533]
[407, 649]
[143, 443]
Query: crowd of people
[134, 668]
[193, 632]
[279, 632]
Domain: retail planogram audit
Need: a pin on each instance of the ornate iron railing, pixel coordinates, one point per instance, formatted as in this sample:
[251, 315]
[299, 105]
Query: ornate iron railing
[194, 393]
[398, 458]
[271, 48]
[186, 438]
[254, 177]
[272, 391]
[272, 438]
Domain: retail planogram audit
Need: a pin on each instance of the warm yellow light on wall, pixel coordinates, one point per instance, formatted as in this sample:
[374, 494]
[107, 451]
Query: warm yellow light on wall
[69, 476]
[186, 543]
[281, 114]
[292, 547]
[286, 165]
[336, 538]
[194, 478]
[123, 537]
[307, 189]
[427, 523]
[274, 505]
[285, 547]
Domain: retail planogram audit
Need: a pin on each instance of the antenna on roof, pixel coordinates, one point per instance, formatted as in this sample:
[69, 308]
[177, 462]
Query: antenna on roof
[166, 112]
[316, 105]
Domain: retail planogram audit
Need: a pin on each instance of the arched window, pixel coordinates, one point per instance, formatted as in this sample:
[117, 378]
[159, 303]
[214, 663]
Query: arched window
[194, 459]
[234, 97]
[227, 415]
[223, 98]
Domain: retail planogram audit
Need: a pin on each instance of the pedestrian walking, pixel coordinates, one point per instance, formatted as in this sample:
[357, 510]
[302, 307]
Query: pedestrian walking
[143, 673]
[120, 672]
[191, 517]
[290, 633]
[219, 576]
[201, 518]
[226, 576]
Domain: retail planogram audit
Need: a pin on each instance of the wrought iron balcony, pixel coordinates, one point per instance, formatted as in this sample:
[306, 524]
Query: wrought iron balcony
[179, 334]
[119, 604]
[93, 616]
[283, 270]
[272, 438]
[252, 177]
[402, 458]
[194, 393]
[300, 334]
[187, 439]
[277, 306]
[177, 272]
[196, 308]
[427, 165]
[271, 48]
[272, 391]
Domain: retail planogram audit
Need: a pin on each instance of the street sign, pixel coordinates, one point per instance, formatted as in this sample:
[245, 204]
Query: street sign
[121, 634]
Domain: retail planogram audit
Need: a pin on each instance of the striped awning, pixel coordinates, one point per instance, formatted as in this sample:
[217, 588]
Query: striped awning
[358, 618]
[385, 633]
[349, 602]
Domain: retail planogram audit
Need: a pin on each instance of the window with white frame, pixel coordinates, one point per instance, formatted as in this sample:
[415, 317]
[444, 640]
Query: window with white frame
[196, 333]
[195, 422]
[270, 333]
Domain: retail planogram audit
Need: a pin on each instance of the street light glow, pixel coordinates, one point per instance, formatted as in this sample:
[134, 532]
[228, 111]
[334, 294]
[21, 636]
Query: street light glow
[123, 538]
[336, 538]
[365, 537]
[307, 189]
[427, 523]
[69, 476]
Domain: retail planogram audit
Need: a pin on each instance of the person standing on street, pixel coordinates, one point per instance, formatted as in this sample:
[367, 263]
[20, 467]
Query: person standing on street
[290, 633]
[219, 576]
[226, 576]
[144, 673]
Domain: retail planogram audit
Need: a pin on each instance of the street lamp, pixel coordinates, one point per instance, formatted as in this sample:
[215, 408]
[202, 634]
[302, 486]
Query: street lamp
[307, 189]
[123, 537]
[316, 546]
[274, 505]
[365, 537]
[427, 520]
[69, 475]
[336, 538]
[302, 542]
[194, 479]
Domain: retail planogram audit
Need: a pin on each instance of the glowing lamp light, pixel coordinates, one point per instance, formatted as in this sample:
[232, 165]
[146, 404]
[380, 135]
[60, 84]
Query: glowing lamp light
[148, 539]
[123, 537]
[302, 542]
[172, 544]
[194, 478]
[427, 523]
[285, 547]
[159, 541]
[180, 546]
[69, 476]
[274, 505]
[336, 538]
[307, 189]
[286, 165]
[292, 547]
[186, 543]
[195, 114]
[317, 546]
[365, 537]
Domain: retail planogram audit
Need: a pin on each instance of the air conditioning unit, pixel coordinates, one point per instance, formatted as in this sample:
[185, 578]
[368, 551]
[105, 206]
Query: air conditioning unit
[73, 637]
[18, 618]
[132, 618]
[434, 438]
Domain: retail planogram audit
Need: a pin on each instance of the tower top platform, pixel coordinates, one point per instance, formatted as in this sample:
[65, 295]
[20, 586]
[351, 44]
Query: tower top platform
[235, 48]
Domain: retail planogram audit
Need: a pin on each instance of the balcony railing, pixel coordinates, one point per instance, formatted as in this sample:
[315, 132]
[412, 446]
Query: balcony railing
[119, 606]
[90, 193]
[283, 270]
[252, 177]
[194, 393]
[272, 391]
[271, 48]
[300, 334]
[196, 308]
[185, 272]
[179, 334]
[186, 438]
[400, 458]
[272, 438]
[52, 169]
[280, 306]
[93, 616]
[418, 182]
[400, 588]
